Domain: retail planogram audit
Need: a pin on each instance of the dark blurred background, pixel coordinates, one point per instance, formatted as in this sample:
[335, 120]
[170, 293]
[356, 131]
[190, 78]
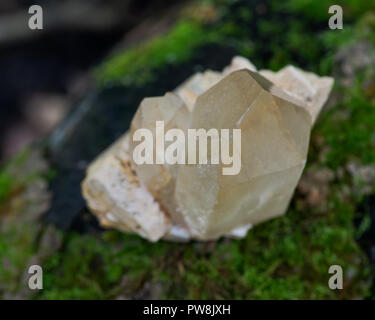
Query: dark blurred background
[44, 71]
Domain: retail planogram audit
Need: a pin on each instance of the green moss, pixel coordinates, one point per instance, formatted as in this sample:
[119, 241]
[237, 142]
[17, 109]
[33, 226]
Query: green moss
[287, 258]
[8, 181]
[285, 42]
[349, 140]
[19, 226]
[14, 177]
[5, 185]
[136, 65]
[17, 246]
[318, 10]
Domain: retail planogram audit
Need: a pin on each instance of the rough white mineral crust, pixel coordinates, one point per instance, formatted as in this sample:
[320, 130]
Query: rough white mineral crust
[275, 112]
[113, 192]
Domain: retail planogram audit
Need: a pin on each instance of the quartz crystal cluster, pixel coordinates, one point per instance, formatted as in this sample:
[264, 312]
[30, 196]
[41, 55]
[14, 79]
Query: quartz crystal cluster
[275, 112]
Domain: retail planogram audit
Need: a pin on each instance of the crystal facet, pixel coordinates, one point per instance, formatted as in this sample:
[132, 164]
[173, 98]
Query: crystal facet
[275, 113]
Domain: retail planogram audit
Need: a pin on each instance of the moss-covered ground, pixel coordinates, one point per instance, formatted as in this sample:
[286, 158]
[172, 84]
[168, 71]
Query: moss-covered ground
[286, 258]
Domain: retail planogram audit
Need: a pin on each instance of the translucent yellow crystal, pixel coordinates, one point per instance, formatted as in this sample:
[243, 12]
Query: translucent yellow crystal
[275, 113]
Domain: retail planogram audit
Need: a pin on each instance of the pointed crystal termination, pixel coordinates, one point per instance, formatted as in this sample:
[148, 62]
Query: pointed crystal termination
[275, 112]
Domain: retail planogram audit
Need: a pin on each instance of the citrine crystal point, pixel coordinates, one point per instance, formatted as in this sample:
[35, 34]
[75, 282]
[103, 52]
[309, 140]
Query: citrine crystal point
[275, 112]
[275, 137]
